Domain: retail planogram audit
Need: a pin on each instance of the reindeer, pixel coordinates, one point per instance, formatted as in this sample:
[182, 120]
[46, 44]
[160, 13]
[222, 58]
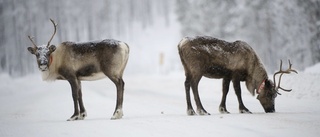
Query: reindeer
[231, 61]
[76, 62]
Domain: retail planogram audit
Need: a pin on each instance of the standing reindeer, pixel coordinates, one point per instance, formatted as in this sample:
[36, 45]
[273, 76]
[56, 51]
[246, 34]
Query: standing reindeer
[236, 61]
[83, 61]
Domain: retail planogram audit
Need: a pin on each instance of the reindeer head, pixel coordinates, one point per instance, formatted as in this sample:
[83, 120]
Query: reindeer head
[43, 52]
[268, 90]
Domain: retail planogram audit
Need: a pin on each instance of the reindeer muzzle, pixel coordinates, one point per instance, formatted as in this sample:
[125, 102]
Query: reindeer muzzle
[43, 65]
[270, 110]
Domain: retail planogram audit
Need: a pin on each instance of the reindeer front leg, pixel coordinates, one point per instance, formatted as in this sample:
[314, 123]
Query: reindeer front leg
[225, 90]
[75, 87]
[83, 112]
[75, 84]
[237, 89]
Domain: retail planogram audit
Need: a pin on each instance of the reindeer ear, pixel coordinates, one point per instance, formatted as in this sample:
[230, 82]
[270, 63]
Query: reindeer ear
[52, 48]
[31, 50]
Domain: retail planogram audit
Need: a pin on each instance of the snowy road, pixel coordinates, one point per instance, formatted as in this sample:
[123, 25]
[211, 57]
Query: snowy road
[154, 106]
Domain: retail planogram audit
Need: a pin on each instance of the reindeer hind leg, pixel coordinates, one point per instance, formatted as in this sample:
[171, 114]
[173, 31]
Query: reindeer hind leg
[187, 85]
[119, 83]
[194, 85]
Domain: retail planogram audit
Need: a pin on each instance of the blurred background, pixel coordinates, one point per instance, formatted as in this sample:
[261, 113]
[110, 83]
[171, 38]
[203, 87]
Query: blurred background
[276, 29]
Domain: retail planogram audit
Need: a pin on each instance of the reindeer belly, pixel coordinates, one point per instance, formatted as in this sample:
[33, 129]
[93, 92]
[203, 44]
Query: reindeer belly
[217, 72]
[90, 72]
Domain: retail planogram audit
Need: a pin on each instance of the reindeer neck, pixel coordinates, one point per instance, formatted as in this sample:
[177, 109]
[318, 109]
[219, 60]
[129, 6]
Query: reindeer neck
[260, 75]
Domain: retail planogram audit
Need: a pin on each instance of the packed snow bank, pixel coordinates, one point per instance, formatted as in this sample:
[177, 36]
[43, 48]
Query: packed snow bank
[313, 69]
[155, 106]
[304, 86]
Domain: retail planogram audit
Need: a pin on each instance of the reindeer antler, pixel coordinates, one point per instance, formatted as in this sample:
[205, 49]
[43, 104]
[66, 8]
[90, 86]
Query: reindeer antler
[55, 30]
[34, 44]
[281, 72]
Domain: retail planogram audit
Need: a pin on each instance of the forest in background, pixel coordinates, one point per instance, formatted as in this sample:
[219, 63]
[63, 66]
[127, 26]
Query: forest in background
[275, 29]
[78, 21]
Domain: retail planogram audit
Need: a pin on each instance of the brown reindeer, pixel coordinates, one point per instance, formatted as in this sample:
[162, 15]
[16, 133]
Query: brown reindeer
[75, 62]
[231, 61]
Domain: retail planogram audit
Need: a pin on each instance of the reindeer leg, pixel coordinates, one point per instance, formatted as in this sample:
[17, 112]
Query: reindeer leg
[190, 110]
[83, 112]
[75, 87]
[237, 88]
[75, 96]
[118, 113]
[225, 90]
[194, 86]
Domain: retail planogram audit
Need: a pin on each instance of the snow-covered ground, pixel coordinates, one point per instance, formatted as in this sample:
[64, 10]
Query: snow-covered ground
[155, 106]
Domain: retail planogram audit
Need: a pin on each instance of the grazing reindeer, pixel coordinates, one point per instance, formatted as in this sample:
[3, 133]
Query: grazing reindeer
[83, 61]
[236, 61]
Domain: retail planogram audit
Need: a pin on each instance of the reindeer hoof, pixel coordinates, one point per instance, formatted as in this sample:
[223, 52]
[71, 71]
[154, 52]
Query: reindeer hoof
[117, 114]
[191, 112]
[80, 116]
[73, 118]
[202, 112]
[223, 110]
[245, 111]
